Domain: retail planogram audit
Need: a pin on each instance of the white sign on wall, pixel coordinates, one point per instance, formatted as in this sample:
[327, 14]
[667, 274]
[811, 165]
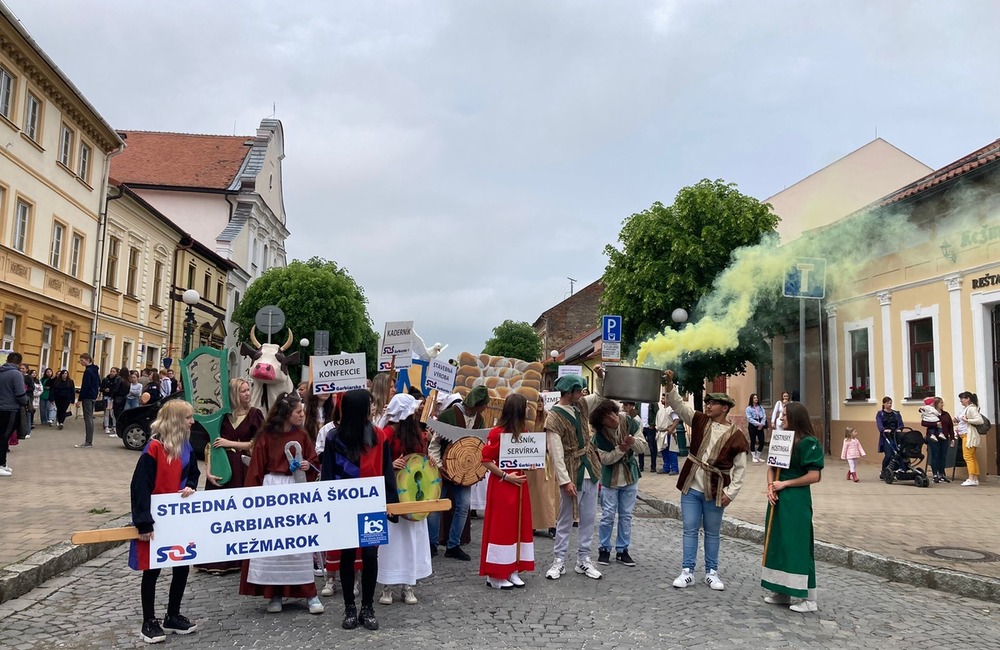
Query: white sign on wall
[272, 520]
[565, 371]
[338, 373]
[526, 453]
[779, 454]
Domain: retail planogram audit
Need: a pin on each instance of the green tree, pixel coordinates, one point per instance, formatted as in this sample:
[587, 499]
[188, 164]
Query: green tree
[670, 256]
[515, 339]
[315, 295]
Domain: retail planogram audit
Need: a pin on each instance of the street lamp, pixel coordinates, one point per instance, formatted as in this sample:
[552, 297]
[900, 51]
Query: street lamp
[679, 315]
[191, 298]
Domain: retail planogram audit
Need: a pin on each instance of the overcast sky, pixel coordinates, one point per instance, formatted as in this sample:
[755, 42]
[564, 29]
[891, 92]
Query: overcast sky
[462, 159]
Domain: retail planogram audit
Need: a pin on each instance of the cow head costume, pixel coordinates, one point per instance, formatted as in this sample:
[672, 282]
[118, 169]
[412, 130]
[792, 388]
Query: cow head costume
[269, 370]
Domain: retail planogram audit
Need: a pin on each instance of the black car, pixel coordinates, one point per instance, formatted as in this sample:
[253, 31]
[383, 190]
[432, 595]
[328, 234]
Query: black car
[133, 426]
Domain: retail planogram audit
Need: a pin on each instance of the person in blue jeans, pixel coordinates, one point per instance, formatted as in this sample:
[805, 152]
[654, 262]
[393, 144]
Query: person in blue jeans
[467, 414]
[618, 443]
[710, 479]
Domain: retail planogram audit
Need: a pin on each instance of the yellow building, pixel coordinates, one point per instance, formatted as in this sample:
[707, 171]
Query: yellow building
[54, 149]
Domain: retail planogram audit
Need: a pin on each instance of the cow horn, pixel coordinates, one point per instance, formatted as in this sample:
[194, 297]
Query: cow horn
[253, 338]
[288, 343]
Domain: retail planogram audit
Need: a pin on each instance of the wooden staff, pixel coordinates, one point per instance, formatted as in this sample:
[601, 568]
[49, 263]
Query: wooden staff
[429, 406]
[131, 532]
[520, 506]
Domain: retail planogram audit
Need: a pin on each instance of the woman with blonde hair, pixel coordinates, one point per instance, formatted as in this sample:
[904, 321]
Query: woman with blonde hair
[382, 392]
[168, 461]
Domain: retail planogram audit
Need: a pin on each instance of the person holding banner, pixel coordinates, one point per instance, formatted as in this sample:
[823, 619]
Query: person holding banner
[508, 547]
[407, 556]
[789, 566]
[167, 465]
[358, 449]
[287, 576]
[238, 429]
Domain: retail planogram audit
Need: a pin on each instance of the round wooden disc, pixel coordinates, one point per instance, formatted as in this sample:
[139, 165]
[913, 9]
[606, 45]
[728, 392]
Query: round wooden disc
[463, 461]
[418, 481]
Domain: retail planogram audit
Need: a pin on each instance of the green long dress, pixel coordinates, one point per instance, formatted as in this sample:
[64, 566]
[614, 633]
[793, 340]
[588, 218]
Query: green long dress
[789, 566]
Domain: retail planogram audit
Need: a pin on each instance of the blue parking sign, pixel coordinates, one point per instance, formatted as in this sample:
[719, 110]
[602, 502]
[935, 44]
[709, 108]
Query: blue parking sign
[806, 278]
[611, 329]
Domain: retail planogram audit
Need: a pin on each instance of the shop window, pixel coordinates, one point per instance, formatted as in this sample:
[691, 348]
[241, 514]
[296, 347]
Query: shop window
[922, 374]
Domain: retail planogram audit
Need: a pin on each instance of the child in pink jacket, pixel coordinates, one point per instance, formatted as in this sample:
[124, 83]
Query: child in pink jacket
[851, 453]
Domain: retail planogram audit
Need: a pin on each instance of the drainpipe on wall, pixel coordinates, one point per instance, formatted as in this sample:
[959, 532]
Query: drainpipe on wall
[102, 229]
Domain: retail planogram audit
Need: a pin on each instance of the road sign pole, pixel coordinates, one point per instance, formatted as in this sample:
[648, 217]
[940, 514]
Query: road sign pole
[802, 350]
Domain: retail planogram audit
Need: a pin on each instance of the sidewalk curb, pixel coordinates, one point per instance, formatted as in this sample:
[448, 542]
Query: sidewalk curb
[21, 577]
[892, 569]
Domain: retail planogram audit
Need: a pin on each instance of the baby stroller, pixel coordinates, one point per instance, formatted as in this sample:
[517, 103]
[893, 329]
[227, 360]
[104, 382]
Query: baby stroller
[906, 446]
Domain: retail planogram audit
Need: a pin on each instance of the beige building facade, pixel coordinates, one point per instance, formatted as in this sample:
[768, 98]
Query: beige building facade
[54, 151]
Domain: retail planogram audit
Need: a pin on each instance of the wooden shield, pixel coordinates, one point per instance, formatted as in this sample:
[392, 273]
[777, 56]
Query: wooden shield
[463, 461]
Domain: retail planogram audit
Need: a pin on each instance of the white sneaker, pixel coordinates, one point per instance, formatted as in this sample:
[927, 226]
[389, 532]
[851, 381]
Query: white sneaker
[498, 584]
[685, 579]
[274, 606]
[556, 570]
[516, 580]
[778, 599]
[386, 597]
[5, 471]
[969, 483]
[329, 587]
[713, 581]
[804, 606]
[409, 597]
[315, 606]
[587, 568]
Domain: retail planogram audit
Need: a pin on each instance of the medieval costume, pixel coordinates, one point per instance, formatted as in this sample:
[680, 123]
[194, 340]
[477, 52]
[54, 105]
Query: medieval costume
[620, 473]
[286, 576]
[506, 549]
[542, 487]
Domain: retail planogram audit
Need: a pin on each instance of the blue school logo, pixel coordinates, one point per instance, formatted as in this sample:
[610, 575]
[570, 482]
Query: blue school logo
[176, 553]
[373, 529]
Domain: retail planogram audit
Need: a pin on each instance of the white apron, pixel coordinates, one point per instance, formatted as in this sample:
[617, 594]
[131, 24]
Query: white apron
[294, 569]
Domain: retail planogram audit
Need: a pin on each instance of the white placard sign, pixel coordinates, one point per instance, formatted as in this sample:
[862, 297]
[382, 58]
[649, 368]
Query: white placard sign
[779, 454]
[396, 341]
[242, 523]
[565, 371]
[526, 453]
[440, 376]
[550, 398]
[338, 373]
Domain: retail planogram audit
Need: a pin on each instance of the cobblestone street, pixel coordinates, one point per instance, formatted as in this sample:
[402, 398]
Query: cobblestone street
[96, 606]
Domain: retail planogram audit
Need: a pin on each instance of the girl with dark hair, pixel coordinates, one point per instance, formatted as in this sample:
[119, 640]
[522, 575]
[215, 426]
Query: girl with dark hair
[789, 567]
[756, 425]
[506, 549]
[288, 576]
[969, 435]
[319, 411]
[407, 556]
[358, 449]
[63, 393]
[46, 406]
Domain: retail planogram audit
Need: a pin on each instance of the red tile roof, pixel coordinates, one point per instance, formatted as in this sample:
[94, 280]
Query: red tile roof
[180, 159]
[988, 154]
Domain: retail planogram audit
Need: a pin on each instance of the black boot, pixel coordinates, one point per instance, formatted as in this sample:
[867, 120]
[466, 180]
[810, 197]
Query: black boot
[350, 617]
[367, 617]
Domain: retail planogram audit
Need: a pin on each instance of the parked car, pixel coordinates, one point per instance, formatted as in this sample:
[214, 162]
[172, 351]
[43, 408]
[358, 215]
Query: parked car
[133, 427]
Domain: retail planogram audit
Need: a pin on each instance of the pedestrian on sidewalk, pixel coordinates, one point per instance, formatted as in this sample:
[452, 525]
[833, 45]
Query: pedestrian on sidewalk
[756, 426]
[617, 441]
[968, 418]
[666, 437]
[649, 433]
[851, 452]
[29, 389]
[508, 548]
[109, 386]
[710, 479]
[287, 576]
[789, 570]
[887, 422]
[90, 386]
[13, 398]
[167, 464]
[63, 393]
[779, 410]
[46, 407]
[938, 449]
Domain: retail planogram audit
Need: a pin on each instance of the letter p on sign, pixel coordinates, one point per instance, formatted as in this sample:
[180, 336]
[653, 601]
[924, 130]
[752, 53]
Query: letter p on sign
[611, 329]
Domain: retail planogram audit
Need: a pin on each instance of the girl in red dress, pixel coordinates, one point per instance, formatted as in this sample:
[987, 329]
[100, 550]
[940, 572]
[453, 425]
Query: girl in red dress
[507, 548]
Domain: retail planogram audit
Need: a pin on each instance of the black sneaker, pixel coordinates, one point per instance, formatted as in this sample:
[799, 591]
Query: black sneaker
[367, 617]
[350, 617]
[604, 557]
[434, 550]
[624, 558]
[152, 632]
[457, 553]
[178, 624]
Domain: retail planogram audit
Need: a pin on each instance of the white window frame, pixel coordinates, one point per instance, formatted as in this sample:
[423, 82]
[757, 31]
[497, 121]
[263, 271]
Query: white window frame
[132, 275]
[56, 250]
[22, 226]
[114, 256]
[67, 349]
[32, 115]
[66, 137]
[84, 166]
[75, 251]
[6, 92]
[152, 357]
[127, 346]
[920, 313]
[9, 331]
[157, 288]
[45, 354]
[853, 326]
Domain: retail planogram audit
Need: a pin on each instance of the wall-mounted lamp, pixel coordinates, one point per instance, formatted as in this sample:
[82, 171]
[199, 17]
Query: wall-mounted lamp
[948, 252]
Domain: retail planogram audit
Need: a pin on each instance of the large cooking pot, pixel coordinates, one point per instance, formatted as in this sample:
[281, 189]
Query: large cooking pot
[627, 383]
